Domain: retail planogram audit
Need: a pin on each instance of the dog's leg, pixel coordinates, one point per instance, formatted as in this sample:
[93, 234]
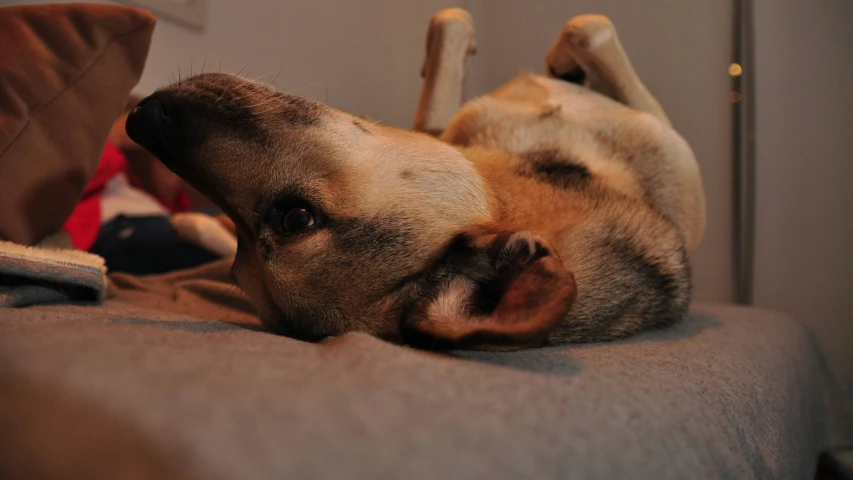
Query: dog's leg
[450, 41]
[588, 51]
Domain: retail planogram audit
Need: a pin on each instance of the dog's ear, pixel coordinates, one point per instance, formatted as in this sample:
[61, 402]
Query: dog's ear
[496, 291]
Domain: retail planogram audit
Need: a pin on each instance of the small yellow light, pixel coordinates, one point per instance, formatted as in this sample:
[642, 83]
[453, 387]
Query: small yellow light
[735, 70]
[735, 97]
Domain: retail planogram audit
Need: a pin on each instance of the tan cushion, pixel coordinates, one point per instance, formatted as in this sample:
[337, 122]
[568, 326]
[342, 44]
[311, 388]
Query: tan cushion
[65, 75]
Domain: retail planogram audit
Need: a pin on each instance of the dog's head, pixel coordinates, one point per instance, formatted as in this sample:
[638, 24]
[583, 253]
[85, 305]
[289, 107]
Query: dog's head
[346, 225]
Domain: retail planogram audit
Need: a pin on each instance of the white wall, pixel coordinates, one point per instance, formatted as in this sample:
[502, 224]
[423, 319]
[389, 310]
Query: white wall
[363, 57]
[360, 56]
[804, 123]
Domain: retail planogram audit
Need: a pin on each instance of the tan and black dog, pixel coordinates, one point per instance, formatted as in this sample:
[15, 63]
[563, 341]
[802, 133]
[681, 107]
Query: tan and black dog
[559, 208]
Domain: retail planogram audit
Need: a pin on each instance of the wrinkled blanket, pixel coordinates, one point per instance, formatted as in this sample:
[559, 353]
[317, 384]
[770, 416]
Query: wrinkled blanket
[173, 378]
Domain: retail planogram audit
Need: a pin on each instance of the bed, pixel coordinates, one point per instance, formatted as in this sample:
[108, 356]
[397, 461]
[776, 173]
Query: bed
[172, 377]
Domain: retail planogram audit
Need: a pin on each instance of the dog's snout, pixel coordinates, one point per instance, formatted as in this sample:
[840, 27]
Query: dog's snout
[155, 108]
[153, 125]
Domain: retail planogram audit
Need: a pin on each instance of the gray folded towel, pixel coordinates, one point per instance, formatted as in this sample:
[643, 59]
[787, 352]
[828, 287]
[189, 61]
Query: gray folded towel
[51, 272]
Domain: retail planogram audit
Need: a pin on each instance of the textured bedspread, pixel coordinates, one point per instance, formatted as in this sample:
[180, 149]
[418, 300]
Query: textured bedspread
[171, 378]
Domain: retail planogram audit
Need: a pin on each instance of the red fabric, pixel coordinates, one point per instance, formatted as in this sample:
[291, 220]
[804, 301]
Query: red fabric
[84, 224]
[180, 203]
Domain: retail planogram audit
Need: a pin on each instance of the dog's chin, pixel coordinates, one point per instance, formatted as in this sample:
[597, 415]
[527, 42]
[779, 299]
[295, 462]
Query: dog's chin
[296, 325]
[303, 329]
[278, 323]
[278, 327]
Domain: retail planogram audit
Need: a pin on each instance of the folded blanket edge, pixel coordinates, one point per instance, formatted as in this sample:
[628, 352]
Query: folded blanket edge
[54, 261]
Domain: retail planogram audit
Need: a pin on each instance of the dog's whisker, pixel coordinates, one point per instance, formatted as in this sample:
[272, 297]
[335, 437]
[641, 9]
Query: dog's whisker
[237, 99]
[267, 111]
[232, 89]
[232, 289]
[307, 87]
[257, 79]
[271, 110]
[254, 88]
[203, 63]
[262, 103]
[303, 91]
[274, 80]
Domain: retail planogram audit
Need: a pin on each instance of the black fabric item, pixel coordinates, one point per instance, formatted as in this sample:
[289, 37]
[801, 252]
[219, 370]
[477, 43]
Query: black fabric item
[146, 245]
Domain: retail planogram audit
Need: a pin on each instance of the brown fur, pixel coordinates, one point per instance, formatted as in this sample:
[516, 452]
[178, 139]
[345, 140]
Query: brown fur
[544, 212]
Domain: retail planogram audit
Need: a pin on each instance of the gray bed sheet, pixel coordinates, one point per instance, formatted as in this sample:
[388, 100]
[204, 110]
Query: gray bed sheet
[173, 378]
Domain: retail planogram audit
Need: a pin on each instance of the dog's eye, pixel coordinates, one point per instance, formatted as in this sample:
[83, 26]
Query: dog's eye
[291, 216]
[296, 219]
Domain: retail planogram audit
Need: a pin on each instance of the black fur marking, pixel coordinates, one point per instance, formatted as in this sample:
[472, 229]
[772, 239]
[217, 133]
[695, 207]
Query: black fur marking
[462, 258]
[359, 245]
[540, 252]
[265, 247]
[233, 93]
[638, 158]
[552, 167]
[222, 103]
[641, 286]
[447, 264]
[368, 238]
[576, 75]
[361, 127]
[209, 108]
[488, 294]
[457, 257]
[297, 110]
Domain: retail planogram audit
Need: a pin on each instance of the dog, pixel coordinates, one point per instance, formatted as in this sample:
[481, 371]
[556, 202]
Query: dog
[559, 208]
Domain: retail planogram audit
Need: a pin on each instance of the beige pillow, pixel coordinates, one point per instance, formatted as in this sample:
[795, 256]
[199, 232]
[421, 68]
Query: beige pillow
[65, 75]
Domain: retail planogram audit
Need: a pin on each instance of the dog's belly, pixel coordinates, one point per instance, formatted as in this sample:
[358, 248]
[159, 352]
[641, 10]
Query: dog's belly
[534, 116]
[631, 152]
[533, 111]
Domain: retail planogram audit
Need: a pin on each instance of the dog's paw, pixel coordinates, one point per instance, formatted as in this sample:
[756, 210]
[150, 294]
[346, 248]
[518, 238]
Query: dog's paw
[575, 48]
[455, 26]
[520, 250]
[588, 32]
[458, 23]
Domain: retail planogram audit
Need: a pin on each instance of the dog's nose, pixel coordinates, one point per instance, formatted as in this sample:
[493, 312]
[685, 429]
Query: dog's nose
[154, 108]
[153, 125]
